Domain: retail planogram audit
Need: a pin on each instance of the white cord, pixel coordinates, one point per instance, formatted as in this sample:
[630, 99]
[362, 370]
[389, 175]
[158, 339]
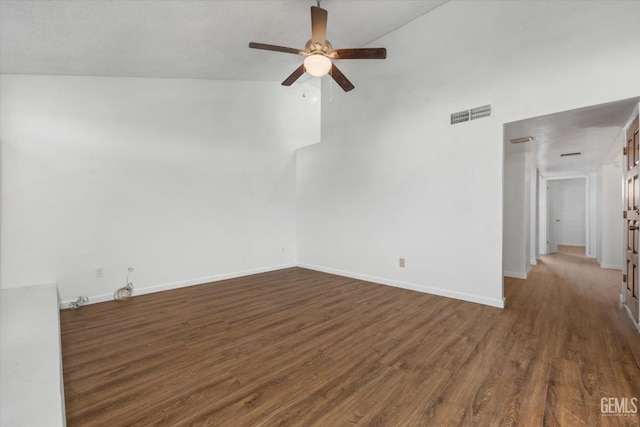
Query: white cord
[126, 292]
[74, 305]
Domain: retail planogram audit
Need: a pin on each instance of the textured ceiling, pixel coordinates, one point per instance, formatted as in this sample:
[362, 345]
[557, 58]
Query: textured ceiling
[182, 38]
[208, 39]
[590, 131]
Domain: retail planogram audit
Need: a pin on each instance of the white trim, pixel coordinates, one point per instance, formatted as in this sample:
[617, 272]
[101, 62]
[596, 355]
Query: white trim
[609, 266]
[182, 284]
[404, 285]
[395, 283]
[516, 275]
[636, 324]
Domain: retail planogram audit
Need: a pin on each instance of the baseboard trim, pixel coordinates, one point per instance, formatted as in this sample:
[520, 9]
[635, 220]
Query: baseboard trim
[499, 303]
[515, 275]
[633, 320]
[610, 266]
[183, 284]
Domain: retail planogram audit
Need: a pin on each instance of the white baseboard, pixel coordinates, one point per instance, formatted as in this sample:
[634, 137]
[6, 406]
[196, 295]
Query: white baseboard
[636, 324]
[500, 303]
[610, 266]
[399, 284]
[516, 275]
[182, 284]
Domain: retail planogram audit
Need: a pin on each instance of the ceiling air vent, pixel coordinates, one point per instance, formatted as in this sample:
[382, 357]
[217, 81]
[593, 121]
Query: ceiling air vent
[472, 114]
[521, 140]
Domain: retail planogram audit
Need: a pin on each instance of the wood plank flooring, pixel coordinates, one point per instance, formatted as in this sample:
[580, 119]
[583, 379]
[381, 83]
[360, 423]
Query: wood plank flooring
[577, 251]
[297, 347]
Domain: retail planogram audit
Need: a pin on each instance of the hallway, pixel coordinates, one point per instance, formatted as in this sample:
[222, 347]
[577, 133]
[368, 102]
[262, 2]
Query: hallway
[577, 325]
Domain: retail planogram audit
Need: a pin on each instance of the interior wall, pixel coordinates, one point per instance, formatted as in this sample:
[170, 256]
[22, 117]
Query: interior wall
[611, 254]
[393, 178]
[591, 219]
[186, 181]
[542, 215]
[516, 256]
[534, 253]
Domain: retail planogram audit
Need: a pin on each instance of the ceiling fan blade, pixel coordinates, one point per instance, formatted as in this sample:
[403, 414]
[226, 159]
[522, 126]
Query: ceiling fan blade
[365, 53]
[275, 48]
[341, 79]
[294, 76]
[318, 25]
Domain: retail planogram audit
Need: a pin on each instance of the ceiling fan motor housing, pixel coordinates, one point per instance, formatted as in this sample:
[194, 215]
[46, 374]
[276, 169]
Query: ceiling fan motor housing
[318, 48]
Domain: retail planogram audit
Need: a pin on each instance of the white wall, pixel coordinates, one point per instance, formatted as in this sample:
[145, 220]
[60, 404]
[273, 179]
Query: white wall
[516, 248]
[393, 179]
[543, 215]
[592, 215]
[572, 212]
[610, 219]
[534, 252]
[181, 180]
[186, 181]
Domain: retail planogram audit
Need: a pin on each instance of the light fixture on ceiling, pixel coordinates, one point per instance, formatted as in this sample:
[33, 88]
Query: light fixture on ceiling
[521, 140]
[320, 56]
[317, 65]
[577, 153]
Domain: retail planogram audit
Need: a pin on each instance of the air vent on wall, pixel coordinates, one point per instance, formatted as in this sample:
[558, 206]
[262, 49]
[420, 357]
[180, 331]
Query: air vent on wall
[472, 114]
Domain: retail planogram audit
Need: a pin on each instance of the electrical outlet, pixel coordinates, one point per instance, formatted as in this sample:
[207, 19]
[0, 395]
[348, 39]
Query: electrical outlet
[402, 262]
[99, 272]
[130, 269]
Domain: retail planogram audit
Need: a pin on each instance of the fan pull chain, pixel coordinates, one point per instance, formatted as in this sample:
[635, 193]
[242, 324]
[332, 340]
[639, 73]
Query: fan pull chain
[331, 85]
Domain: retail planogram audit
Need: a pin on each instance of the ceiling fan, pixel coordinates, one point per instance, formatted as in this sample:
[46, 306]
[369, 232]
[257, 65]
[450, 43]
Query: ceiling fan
[320, 54]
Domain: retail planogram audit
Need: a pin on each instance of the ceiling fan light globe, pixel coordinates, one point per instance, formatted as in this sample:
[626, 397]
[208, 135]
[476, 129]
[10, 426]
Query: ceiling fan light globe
[317, 65]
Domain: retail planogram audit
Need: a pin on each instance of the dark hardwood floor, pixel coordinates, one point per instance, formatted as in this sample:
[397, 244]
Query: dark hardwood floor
[297, 347]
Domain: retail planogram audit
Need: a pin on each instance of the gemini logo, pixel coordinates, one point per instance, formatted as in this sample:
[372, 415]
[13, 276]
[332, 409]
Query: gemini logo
[614, 406]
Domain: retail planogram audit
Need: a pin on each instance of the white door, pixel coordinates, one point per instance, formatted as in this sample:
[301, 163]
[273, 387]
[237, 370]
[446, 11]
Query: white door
[553, 219]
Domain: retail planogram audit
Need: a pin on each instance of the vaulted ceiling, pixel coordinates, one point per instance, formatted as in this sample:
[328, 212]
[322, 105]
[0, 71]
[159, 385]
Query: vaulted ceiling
[198, 39]
[182, 38]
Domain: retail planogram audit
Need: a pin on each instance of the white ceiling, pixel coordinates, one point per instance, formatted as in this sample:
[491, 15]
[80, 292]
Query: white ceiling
[182, 38]
[590, 131]
[208, 39]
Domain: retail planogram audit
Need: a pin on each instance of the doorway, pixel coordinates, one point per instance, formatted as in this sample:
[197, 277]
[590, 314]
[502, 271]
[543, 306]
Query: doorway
[566, 213]
[584, 144]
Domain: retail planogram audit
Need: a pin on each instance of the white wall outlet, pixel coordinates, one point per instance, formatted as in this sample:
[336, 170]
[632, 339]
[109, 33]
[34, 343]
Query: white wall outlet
[402, 262]
[99, 272]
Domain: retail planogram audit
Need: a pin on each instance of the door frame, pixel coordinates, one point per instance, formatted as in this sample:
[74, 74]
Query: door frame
[590, 217]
